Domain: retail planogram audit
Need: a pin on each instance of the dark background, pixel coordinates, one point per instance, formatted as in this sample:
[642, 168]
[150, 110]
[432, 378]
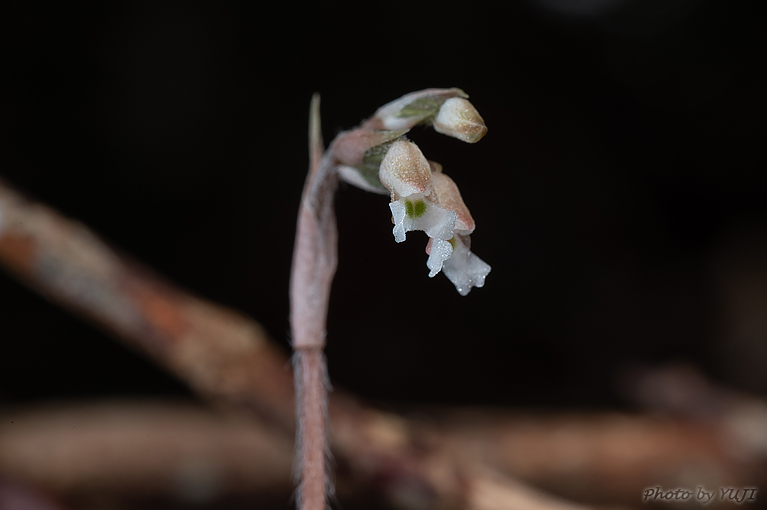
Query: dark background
[618, 196]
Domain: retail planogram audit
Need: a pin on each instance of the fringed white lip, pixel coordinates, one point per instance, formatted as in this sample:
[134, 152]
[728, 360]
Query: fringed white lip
[424, 198]
[415, 212]
[454, 258]
[465, 269]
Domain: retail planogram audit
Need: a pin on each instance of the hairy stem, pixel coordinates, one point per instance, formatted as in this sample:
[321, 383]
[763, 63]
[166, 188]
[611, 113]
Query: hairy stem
[314, 265]
[312, 472]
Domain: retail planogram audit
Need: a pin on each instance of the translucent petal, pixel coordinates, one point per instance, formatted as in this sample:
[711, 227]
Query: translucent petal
[439, 252]
[465, 269]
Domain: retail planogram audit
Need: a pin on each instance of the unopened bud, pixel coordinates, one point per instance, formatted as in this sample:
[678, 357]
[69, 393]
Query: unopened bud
[458, 118]
[412, 109]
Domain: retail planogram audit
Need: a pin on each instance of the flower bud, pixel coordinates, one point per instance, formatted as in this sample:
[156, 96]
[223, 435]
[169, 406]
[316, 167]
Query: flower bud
[404, 170]
[458, 118]
[412, 109]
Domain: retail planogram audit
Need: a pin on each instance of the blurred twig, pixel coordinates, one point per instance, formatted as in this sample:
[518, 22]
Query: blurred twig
[603, 458]
[715, 437]
[681, 391]
[180, 451]
[227, 357]
[150, 449]
[16, 496]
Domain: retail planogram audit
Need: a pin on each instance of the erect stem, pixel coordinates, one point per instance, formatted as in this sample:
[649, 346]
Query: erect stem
[312, 452]
[314, 265]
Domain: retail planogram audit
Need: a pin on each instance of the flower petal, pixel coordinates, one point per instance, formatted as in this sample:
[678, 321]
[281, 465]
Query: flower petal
[448, 196]
[465, 269]
[439, 251]
[415, 212]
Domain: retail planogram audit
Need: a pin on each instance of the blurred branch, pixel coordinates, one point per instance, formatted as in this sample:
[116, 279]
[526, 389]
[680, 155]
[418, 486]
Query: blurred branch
[455, 463]
[16, 496]
[219, 353]
[177, 451]
[158, 449]
[603, 458]
[682, 391]
[227, 357]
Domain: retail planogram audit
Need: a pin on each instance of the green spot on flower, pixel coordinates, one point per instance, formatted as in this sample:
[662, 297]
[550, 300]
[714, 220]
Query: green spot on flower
[420, 208]
[409, 209]
[415, 209]
[452, 242]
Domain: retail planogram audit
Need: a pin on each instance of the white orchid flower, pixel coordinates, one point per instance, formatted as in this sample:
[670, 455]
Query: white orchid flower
[379, 159]
[424, 198]
[406, 173]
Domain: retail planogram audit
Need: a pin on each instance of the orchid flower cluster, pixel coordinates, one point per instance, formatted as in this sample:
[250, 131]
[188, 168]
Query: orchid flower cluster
[378, 157]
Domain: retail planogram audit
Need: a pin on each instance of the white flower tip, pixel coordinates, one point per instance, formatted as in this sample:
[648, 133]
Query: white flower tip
[439, 251]
[465, 269]
[404, 170]
[474, 276]
[458, 118]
